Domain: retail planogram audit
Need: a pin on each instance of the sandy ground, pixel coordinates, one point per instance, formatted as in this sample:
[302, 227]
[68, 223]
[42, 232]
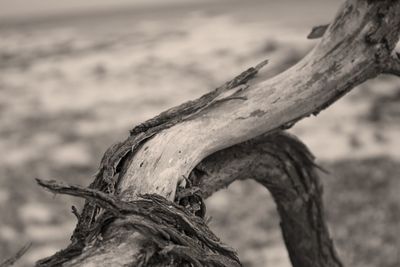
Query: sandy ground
[70, 88]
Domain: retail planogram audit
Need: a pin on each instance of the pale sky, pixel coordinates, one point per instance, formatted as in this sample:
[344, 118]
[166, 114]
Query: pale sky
[23, 8]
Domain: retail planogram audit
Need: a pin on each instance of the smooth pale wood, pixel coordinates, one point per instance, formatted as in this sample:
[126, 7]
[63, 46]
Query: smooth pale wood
[342, 59]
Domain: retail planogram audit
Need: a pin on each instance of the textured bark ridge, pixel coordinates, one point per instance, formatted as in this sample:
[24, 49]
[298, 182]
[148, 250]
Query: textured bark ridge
[176, 236]
[284, 165]
[278, 161]
[192, 150]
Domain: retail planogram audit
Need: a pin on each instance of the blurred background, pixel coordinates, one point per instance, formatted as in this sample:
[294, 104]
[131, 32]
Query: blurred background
[76, 76]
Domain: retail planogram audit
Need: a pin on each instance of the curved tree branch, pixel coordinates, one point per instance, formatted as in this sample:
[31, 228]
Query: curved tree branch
[286, 168]
[279, 162]
[361, 37]
[160, 153]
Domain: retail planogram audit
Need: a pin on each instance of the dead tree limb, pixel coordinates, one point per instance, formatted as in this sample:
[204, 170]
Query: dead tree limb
[353, 50]
[286, 168]
[161, 152]
[278, 161]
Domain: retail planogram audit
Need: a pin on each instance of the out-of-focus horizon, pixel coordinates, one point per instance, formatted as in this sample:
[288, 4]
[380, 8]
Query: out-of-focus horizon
[76, 76]
[19, 10]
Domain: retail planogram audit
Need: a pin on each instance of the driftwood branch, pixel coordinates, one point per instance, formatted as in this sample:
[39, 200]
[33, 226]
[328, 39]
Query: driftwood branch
[361, 37]
[160, 153]
[279, 162]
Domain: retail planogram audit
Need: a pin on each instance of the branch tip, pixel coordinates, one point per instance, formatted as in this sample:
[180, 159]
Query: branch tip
[75, 211]
[50, 185]
[261, 64]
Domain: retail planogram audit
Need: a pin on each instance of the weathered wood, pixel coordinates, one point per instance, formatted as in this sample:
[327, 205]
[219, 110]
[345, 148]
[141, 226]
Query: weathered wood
[352, 50]
[177, 236]
[158, 156]
[286, 168]
[279, 161]
[118, 154]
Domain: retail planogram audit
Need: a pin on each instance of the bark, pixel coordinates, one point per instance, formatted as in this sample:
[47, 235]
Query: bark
[160, 153]
[278, 161]
[354, 49]
[286, 168]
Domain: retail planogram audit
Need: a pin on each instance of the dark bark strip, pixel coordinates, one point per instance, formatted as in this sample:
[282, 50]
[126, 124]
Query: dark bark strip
[179, 236]
[282, 164]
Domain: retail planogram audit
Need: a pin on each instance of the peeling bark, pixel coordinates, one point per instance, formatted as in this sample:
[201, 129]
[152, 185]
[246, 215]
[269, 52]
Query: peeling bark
[176, 236]
[351, 51]
[278, 161]
[162, 152]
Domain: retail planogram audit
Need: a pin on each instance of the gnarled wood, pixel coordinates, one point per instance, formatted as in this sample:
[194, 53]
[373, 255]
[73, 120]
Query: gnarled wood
[177, 236]
[279, 162]
[361, 37]
[157, 157]
[286, 168]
